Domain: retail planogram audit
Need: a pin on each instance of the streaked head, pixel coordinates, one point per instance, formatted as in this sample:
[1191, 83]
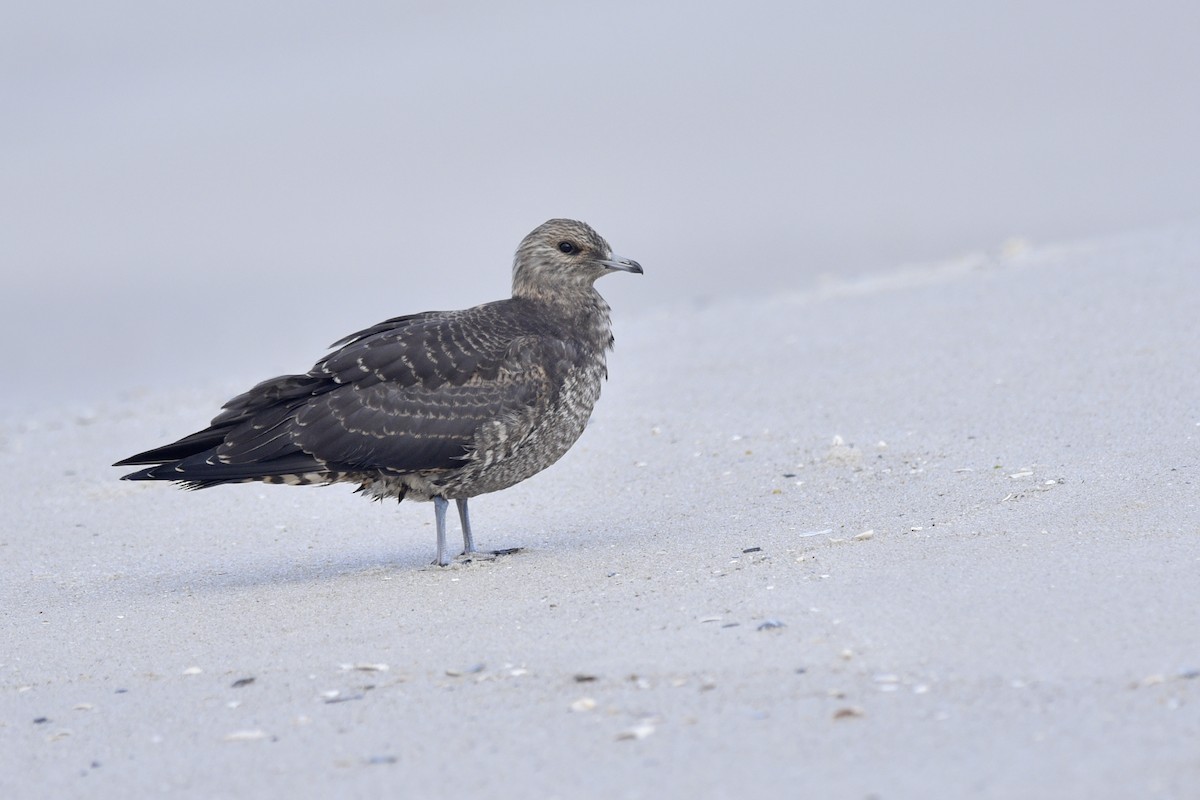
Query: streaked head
[563, 255]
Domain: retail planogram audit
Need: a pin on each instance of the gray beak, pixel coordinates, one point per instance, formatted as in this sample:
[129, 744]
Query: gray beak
[623, 264]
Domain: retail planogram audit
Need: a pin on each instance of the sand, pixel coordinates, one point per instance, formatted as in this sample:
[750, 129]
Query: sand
[932, 533]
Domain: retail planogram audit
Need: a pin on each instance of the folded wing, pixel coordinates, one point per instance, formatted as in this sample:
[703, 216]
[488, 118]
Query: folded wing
[407, 395]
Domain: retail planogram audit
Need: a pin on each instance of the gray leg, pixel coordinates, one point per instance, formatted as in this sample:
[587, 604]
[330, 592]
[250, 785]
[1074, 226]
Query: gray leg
[439, 512]
[468, 539]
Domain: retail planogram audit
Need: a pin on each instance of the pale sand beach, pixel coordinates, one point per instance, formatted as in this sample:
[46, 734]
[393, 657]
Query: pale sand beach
[929, 533]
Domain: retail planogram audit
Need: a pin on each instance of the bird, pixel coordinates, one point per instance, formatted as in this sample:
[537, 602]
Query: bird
[434, 406]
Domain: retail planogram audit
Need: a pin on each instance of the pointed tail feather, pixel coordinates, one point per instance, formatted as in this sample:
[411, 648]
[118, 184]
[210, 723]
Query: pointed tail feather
[191, 445]
[202, 470]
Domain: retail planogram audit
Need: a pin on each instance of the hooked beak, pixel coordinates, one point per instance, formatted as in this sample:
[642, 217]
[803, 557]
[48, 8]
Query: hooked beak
[623, 264]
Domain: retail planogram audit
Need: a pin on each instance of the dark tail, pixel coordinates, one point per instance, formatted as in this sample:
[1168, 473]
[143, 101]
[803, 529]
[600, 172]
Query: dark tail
[259, 420]
[195, 444]
[192, 461]
[171, 462]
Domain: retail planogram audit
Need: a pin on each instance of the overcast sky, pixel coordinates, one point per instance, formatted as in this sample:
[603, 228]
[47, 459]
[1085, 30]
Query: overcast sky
[178, 179]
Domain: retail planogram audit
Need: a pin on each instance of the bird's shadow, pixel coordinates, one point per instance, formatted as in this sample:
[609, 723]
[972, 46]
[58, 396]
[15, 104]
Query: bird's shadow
[367, 563]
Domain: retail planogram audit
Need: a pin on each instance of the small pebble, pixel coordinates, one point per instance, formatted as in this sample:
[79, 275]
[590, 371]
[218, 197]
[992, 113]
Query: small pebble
[583, 704]
[770, 624]
[246, 736]
[40, 720]
[344, 698]
[362, 667]
[865, 535]
[583, 677]
[382, 760]
[193, 671]
[471, 670]
[823, 532]
[240, 682]
[640, 731]
[848, 712]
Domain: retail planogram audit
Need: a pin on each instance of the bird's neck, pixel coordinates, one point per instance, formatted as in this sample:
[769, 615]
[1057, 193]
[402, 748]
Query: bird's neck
[580, 307]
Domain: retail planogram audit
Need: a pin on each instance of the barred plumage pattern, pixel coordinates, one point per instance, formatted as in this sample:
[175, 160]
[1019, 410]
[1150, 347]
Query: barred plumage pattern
[442, 405]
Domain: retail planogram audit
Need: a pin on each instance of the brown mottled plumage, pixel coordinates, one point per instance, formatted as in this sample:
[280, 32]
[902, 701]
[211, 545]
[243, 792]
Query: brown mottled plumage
[443, 405]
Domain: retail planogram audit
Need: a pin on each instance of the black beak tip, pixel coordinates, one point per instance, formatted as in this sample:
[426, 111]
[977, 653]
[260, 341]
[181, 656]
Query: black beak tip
[622, 264]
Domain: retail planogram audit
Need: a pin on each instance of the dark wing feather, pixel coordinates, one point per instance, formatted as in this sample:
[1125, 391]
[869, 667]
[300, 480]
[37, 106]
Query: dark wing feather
[408, 394]
[381, 327]
[406, 429]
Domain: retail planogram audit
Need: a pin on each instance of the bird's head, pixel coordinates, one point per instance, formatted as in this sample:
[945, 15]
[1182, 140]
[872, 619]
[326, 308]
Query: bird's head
[564, 256]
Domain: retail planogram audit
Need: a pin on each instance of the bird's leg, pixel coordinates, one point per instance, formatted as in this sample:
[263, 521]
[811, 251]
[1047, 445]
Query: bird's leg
[439, 513]
[468, 539]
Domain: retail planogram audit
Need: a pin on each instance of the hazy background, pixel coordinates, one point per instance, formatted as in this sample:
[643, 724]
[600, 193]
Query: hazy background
[186, 187]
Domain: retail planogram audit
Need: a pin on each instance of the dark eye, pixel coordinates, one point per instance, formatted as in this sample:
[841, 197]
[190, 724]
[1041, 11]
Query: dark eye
[566, 247]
